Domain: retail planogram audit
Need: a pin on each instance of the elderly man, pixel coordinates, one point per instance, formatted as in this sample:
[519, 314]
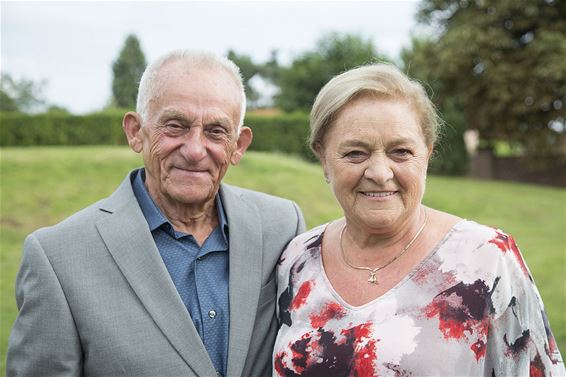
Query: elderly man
[173, 274]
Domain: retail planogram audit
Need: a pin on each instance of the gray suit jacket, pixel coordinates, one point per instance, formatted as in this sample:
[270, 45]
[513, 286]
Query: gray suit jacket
[96, 299]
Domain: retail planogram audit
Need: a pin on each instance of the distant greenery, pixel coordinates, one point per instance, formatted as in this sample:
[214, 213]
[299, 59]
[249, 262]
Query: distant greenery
[279, 133]
[503, 62]
[332, 54]
[127, 69]
[20, 95]
[42, 185]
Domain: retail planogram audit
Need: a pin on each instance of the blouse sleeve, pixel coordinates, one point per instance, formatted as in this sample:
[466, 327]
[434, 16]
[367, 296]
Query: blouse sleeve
[520, 342]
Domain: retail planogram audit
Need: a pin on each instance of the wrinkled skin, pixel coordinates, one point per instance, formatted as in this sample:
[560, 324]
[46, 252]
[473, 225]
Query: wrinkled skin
[376, 158]
[189, 139]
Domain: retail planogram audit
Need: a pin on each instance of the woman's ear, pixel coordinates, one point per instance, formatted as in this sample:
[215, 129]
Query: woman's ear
[244, 140]
[322, 158]
[430, 151]
[132, 124]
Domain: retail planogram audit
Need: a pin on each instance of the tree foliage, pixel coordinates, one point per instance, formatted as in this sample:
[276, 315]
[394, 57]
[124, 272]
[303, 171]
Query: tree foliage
[248, 69]
[128, 69]
[450, 155]
[334, 53]
[503, 62]
[22, 95]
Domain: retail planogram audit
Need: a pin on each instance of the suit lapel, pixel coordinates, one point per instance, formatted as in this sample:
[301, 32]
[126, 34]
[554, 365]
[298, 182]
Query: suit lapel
[127, 237]
[246, 248]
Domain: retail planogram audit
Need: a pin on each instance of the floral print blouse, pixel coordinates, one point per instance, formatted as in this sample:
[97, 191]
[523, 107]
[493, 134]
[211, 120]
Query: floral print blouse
[470, 308]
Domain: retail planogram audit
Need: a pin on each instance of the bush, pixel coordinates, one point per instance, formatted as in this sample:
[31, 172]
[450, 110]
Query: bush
[61, 129]
[285, 133]
[451, 156]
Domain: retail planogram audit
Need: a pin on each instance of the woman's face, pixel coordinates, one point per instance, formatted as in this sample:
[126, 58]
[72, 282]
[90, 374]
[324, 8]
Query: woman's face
[376, 159]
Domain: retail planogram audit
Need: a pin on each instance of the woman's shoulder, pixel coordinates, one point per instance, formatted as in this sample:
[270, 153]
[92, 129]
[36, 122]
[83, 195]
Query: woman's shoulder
[475, 234]
[298, 246]
[484, 245]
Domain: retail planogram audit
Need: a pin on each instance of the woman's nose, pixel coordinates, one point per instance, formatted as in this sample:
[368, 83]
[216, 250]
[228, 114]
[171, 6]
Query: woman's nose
[378, 169]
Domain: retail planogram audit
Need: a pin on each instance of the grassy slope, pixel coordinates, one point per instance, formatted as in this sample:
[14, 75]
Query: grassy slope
[40, 186]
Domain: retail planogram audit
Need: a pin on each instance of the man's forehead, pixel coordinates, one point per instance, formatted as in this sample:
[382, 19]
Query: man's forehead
[180, 70]
[210, 115]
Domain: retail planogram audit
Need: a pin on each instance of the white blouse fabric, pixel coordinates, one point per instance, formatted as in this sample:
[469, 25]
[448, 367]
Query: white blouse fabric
[470, 308]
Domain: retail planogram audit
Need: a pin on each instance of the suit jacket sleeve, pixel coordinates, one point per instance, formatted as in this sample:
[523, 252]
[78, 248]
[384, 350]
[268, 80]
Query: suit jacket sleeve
[301, 227]
[44, 340]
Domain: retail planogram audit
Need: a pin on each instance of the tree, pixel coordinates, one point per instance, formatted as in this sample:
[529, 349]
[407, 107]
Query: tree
[128, 69]
[334, 54]
[451, 155]
[20, 95]
[504, 64]
[248, 69]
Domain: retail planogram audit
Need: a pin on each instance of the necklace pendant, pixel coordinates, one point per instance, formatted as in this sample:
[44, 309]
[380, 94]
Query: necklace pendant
[372, 278]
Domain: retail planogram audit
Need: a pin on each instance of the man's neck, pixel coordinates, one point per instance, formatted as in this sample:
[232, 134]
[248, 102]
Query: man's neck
[198, 220]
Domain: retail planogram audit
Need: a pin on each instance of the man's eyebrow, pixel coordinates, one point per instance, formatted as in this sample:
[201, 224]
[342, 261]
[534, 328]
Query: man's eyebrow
[220, 121]
[173, 114]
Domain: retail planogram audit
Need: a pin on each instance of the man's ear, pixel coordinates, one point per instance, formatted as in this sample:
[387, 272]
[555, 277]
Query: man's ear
[131, 124]
[244, 141]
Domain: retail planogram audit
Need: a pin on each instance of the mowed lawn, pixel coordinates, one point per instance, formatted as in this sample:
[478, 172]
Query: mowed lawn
[41, 186]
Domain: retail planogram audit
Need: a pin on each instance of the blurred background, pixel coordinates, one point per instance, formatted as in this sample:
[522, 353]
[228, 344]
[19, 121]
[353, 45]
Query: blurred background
[495, 69]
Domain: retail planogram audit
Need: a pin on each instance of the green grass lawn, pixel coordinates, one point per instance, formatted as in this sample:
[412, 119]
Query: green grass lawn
[41, 186]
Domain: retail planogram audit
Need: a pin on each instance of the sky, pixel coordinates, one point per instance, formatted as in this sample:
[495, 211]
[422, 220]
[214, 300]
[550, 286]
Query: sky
[71, 45]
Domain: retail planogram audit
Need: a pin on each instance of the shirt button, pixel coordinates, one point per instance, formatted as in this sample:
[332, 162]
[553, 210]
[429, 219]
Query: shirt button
[212, 314]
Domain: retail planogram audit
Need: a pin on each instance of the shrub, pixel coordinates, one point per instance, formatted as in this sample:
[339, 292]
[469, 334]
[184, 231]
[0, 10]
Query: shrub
[451, 156]
[61, 129]
[285, 133]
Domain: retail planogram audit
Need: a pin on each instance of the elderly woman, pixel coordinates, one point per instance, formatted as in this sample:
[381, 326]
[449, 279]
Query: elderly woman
[395, 288]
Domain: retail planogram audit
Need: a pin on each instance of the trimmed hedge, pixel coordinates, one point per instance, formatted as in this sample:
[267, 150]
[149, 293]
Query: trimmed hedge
[285, 133]
[61, 129]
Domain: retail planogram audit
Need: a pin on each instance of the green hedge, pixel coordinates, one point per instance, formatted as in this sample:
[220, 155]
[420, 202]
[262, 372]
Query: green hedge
[61, 129]
[284, 133]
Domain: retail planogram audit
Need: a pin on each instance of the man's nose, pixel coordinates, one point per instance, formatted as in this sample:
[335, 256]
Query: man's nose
[194, 145]
[379, 169]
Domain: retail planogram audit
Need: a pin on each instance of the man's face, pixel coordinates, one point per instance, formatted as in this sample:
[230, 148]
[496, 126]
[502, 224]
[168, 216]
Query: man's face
[190, 136]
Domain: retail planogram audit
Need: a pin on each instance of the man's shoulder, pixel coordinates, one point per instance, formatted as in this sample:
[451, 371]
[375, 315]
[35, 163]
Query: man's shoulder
[84, 219]
[272, 211]
[257, 197]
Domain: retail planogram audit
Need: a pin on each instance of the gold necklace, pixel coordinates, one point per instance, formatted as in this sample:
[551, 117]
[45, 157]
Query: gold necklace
[373, 271]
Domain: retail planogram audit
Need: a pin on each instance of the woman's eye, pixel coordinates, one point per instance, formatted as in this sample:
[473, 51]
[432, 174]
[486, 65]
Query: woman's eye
[354, 154]
[402, 152]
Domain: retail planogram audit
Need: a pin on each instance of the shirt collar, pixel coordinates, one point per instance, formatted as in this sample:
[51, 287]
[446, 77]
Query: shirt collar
[153, 214]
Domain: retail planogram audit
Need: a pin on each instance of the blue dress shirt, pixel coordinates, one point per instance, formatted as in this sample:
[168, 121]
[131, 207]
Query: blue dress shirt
[200, 273]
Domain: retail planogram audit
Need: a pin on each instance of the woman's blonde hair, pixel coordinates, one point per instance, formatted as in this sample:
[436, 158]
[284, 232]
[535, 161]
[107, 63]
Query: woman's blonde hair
[381, 80]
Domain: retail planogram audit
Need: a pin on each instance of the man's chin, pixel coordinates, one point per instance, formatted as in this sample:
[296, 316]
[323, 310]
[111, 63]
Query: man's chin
[192, 197]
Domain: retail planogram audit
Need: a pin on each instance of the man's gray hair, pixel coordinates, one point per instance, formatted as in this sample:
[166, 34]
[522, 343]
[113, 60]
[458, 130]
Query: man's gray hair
[148, 88]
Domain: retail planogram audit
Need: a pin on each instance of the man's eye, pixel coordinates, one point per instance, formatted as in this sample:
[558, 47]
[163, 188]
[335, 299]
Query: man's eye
[216, 131]
[174, 126]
